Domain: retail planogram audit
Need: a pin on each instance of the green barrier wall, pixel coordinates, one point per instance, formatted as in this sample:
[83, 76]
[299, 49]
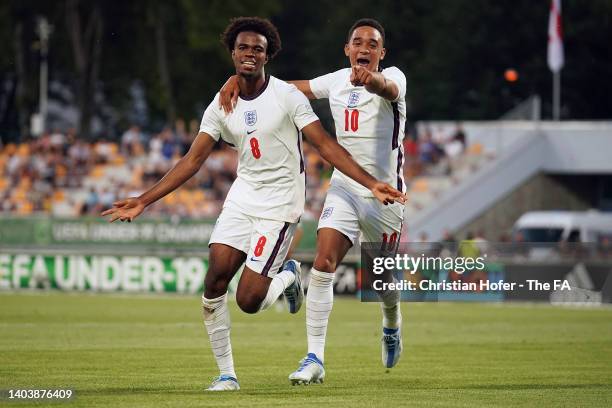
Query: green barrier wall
[161, 233]
[104, 273]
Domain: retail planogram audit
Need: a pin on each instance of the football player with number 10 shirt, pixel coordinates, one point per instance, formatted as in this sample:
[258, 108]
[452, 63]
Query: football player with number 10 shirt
[369, 110]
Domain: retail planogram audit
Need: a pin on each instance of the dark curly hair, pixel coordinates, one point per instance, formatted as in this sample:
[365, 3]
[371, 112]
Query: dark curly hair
[258, 25]
[366, 22]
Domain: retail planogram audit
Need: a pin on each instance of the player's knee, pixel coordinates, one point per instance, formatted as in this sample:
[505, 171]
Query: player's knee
[325, 264]
[215, 286]
[248, 302]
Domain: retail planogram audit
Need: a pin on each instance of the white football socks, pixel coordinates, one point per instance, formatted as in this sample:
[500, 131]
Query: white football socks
[392, 315]
[217, 322]
[280, 282]
[319, 302]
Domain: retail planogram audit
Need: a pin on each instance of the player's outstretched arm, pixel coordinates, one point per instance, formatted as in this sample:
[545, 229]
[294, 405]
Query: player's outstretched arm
[187, 166]
[228, 95]
[374, 82]
[340, 158]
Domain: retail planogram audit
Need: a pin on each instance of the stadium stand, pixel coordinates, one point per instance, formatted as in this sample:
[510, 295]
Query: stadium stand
[65, 176]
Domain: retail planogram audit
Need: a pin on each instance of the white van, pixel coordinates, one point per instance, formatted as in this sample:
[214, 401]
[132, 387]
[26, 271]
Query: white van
[569, 226]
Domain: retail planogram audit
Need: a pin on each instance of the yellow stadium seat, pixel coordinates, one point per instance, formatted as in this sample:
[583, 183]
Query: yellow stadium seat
[23, 150]
[98, 171]
[199, 196]
[475, 149]
[60, 170]
[25, 208]
[25, 183]
[170, 199]
[47, 205]
[19, 195]
[420, 185]
[58, 195]
[10, 149]
[184, 196]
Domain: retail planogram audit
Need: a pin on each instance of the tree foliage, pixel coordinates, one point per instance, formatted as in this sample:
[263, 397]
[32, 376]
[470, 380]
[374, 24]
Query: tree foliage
[454, 52]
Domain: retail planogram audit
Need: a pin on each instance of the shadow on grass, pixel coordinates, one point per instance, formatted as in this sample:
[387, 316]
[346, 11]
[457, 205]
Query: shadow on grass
[347, 389]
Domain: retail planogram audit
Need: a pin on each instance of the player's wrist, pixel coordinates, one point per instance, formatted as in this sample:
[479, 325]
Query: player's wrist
[373, 185]
[378, 83]
[144, 200]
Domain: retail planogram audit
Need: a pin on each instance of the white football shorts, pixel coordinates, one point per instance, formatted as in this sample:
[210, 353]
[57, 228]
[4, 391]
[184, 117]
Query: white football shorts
[265, 242]
[366, 218]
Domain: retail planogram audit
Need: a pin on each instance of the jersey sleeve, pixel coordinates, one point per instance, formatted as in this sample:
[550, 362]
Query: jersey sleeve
[397, 76]
[299, 108]
[320, 85]
[211, 120]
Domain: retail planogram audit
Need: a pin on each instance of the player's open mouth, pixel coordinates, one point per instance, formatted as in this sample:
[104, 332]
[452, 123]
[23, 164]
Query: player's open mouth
[364, 62]
[250, 64]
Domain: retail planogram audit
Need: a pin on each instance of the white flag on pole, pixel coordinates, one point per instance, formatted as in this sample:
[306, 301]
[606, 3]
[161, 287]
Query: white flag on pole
[555, 37]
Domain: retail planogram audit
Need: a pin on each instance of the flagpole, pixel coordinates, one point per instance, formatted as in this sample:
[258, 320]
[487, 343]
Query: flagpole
[556, 94]
[555, 54]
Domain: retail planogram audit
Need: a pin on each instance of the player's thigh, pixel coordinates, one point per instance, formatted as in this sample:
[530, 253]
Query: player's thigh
[223, 263]
[233, 228]
[340, 213]
[338, 229]
[381, 223]
[332, 247]
[228, 244]
[269, 243]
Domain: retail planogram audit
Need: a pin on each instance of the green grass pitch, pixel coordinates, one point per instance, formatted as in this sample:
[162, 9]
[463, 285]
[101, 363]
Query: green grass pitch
[145, 351]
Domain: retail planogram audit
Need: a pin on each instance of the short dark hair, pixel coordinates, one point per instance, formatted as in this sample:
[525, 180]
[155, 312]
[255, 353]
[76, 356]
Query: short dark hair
[366, 22]
[258, 25]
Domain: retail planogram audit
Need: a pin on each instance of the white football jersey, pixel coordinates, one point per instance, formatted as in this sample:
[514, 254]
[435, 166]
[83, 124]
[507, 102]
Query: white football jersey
[370, 127]
[266, 131]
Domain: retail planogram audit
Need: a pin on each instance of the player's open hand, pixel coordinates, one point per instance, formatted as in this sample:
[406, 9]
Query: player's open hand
[360, 76]
[125, 210]
[228, 95]
[387, 194]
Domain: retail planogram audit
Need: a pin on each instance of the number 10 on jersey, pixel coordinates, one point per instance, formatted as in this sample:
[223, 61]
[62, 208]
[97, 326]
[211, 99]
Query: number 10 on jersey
[351, 117]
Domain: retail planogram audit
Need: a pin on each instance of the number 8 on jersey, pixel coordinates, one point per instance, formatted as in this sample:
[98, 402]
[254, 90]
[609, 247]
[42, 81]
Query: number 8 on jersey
[255, 148]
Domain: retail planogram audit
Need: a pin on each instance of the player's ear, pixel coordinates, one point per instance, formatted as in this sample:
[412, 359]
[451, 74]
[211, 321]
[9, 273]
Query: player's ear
[346, 49]
[383, 52]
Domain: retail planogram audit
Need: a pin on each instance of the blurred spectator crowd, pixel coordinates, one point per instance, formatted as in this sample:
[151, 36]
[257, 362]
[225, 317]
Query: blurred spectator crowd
[60, 174]
[434, 152]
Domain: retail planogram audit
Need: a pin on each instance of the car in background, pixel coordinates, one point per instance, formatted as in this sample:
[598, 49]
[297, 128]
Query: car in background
[563, 226]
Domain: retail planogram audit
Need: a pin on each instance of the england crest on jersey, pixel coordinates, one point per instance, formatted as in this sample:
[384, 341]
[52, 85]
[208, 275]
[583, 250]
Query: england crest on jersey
[250, 117]
[353, 99]
[327, 212]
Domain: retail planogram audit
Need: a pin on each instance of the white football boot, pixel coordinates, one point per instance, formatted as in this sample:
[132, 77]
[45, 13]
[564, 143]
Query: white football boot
[294, 294]
[224, 383]
[310, 371]
[391, 346]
